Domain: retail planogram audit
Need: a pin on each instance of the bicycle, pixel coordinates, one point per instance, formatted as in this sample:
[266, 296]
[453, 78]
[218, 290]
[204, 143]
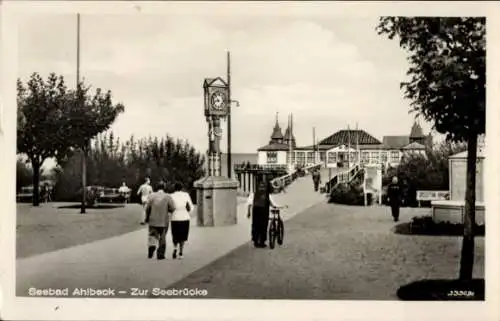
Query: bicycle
[276, 228]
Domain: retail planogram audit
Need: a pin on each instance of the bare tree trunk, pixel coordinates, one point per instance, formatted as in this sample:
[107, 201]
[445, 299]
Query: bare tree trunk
[467, 259]
[84, 180]
[36, 181]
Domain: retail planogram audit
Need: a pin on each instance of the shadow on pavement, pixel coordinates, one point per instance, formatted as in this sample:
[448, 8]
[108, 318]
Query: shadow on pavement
[95, 207]
[440, 229]
[442, 290]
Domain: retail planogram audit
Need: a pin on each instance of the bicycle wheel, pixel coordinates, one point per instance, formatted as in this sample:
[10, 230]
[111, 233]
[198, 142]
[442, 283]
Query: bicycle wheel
[281, 232]
[272, 234]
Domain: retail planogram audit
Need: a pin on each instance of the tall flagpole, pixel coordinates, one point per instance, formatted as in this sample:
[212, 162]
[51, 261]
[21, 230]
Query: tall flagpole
[78, 94]
[229, 166]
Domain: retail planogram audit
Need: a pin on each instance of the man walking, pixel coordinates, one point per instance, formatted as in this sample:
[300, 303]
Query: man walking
[394, 196]
[144, 191]
[316, 176]
[258, 204]
[158, 207]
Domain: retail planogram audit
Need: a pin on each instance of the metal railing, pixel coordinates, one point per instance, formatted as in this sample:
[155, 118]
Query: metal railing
[279, 183]
[255, 167]
[342, 177]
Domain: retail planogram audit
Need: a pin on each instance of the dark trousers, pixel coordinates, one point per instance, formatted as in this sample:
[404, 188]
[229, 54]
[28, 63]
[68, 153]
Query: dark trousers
[157, 238]
[260, 221]
[316, 186]
[395, 211]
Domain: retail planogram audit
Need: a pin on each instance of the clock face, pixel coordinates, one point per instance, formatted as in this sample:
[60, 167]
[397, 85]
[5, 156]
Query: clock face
[217, 100]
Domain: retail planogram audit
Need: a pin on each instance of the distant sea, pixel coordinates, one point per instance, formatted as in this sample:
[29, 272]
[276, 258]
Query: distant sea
[238, 159]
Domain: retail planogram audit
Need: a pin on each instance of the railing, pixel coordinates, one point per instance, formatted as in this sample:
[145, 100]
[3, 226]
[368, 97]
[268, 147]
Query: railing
[254, 167]
[342, 177]
[279, 183]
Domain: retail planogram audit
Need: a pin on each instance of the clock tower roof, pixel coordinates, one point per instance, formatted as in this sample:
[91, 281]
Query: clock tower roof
[214, 82]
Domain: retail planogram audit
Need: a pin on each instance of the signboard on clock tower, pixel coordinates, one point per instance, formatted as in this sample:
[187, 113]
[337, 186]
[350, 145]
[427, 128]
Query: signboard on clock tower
[216, 97]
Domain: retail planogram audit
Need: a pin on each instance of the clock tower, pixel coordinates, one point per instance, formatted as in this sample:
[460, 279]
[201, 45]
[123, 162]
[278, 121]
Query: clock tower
[216, 108]
[216, 195]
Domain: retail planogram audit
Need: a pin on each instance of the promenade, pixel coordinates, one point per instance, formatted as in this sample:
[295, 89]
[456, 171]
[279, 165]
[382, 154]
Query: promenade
[120, 262]
[330, 252]
[336, 252]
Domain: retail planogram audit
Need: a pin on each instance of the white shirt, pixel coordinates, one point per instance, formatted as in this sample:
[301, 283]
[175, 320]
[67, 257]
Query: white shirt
[123, 189]
[145, 190]
[180, 200]
[271, 199]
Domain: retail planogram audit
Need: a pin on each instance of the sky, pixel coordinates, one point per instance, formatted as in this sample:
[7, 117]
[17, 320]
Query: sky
[330, 72]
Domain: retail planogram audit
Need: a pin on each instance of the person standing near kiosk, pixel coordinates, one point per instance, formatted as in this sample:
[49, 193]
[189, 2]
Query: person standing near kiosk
[394, 198]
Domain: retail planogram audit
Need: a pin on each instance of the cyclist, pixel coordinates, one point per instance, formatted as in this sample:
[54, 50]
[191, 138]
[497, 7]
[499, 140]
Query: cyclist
[259, 204]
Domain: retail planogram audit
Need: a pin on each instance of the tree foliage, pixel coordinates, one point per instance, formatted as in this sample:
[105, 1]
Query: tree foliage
[111, 162]
[24, 174]
[52, 120]
[428, 171]
[447, 70]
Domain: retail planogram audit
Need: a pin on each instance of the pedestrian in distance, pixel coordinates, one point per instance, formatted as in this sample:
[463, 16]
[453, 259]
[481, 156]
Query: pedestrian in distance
[394, 198]
[316, 176]
[158, 208]
[124, 192]
[45, 193]
[181, 217]
[259, 204]
[144, 191]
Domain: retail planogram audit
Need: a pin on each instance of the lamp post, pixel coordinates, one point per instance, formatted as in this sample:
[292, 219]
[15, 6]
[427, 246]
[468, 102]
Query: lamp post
[230, 102]
[229, 169]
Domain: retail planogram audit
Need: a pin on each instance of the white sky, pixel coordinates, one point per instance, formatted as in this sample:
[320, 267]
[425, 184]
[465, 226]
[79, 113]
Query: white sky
[328, 71]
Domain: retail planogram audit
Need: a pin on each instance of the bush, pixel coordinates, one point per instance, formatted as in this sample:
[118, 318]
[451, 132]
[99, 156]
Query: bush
[423, 172]
[425, 225]
[350, 193]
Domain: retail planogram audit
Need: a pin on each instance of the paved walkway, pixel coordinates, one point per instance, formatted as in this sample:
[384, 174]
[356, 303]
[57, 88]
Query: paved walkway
[120, 262]
[335, 252]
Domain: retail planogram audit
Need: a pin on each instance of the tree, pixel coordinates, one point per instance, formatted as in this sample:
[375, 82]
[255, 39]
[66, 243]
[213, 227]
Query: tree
[447, 87]
[53, 121]
[89, 115]
[40, 106]
[110, 162]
